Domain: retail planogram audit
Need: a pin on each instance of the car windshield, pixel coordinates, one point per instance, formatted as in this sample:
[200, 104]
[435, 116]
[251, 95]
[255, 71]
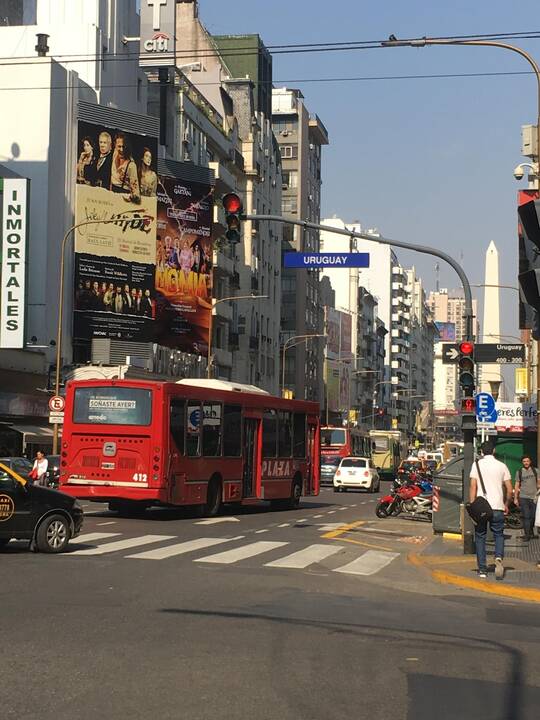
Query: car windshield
[354, 462]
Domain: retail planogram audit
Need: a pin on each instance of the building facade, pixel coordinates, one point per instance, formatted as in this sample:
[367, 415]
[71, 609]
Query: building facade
[300, 136]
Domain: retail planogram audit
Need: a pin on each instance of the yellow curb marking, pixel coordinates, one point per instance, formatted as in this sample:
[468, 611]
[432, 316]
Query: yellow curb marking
[343, 529]
[365, 544]
[451, 536]
[512, 591]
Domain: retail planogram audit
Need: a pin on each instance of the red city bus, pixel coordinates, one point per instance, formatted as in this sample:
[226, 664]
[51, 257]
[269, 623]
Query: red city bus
[337, 443]
[135, 443]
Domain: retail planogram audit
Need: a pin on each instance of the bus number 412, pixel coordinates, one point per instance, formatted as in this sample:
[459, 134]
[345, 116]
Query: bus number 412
[140, 477]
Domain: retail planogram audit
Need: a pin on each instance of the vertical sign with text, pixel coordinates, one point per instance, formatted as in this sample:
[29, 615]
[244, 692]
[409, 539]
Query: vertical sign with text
[13, 259]
[158, 33]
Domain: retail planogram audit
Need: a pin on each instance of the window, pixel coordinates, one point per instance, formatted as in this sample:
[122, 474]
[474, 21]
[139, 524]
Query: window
[211, 439]
[269, 433]
[380, 444]
[354, 462]
[193, 430]
[332, 437]
[112, 406]
[299, 435]
[285, 434]
[232, 431]
[18, 12]
[289, 151]
[177, 423]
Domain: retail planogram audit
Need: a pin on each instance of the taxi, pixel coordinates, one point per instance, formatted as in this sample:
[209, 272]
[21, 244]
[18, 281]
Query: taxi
[45, 517]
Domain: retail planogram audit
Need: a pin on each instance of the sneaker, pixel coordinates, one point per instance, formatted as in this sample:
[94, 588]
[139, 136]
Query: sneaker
[499, 568]
[482, 574]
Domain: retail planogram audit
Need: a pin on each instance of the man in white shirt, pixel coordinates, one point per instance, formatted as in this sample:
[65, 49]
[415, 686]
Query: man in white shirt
[498, 484]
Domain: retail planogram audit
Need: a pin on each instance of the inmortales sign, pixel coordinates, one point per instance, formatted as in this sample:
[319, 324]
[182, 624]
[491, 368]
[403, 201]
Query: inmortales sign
[13, 259]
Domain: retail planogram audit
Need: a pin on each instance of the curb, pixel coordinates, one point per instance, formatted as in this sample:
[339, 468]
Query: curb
[497, 588]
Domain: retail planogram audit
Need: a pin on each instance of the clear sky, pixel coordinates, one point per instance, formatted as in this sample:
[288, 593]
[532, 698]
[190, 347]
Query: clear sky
[423, 160]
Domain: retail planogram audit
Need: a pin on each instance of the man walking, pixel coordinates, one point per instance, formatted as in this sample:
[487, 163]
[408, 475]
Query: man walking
[497, 481]
[525, 489]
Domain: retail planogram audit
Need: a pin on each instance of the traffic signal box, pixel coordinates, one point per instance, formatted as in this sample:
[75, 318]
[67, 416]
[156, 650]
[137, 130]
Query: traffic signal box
[467, 385]
[232, 204]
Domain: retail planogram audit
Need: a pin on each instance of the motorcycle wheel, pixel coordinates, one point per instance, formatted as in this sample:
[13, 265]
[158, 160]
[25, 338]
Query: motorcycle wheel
[397, 509]
[381, 509]
[513, 521]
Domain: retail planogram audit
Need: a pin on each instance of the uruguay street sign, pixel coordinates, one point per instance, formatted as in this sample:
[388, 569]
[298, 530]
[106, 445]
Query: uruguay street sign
[499, 353]
[485, 408]
[450, 353]
[337, 260]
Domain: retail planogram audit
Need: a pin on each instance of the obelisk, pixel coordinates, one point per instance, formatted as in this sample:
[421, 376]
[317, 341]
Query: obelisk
[491, 327]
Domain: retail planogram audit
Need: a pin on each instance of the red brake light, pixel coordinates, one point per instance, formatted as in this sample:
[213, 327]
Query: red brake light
[466, 348]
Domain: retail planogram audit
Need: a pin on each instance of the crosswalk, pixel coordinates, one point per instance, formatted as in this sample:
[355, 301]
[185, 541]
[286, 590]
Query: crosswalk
[231, 551]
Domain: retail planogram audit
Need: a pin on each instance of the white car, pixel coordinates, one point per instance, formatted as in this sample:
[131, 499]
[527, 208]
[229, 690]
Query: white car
[356, 472]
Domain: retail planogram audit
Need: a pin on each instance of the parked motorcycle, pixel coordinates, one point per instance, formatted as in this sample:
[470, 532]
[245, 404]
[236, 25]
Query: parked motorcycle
[411, 499]
[513, 520]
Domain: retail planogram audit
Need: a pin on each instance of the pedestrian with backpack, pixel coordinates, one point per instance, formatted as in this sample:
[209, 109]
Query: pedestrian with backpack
[525, 495]
[490, 494]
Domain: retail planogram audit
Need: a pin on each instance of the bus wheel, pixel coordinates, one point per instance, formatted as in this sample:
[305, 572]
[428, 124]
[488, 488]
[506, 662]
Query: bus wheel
[212, 505]
[296, 493]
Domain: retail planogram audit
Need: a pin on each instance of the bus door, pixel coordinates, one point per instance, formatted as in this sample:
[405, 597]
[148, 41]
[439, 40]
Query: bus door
[312, 481]
[252, 454]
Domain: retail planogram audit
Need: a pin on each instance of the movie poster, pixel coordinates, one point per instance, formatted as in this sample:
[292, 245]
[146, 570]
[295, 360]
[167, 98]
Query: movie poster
[183, 279]
[115, 261]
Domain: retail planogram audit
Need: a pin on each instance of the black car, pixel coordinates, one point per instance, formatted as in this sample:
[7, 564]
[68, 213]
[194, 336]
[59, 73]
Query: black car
[21, 465]
[45, 517]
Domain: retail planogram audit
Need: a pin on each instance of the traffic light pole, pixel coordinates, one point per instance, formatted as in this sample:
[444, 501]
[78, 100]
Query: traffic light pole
[468, 434]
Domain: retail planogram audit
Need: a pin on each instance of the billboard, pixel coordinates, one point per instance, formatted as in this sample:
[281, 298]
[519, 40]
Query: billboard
[332, 385]
[447, 331]
[183, 279]
[516, 417]
[344, 386]
[14, 234]
[346, 336]
[332, 332]
[115, 260]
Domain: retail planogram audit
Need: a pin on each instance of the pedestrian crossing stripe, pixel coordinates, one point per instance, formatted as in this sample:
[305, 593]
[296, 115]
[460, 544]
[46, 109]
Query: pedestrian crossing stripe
[368, 563]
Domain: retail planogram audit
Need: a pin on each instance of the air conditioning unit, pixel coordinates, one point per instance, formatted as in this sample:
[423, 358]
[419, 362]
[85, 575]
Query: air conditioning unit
[285, 133]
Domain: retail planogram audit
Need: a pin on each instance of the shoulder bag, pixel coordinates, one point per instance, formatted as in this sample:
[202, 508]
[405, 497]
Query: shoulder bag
[480, 510]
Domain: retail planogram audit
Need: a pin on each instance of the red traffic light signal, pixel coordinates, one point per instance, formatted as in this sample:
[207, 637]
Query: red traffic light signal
[468, 405]
[466, 348]
[232, 203]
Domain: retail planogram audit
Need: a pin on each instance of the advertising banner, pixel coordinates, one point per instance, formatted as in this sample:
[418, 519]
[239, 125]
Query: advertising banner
[115, 261]
[516, 417]
[332, 331]
[346, 335]
[13, 261]
[183, 278]
[344, 386]
[332, 385]
[447, 331]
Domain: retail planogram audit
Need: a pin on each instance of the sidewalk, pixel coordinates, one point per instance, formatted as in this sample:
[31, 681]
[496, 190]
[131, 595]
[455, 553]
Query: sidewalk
[444, 560]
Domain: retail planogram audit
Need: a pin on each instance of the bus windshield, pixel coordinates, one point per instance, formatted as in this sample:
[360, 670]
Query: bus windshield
[112, 406]
[332, 437]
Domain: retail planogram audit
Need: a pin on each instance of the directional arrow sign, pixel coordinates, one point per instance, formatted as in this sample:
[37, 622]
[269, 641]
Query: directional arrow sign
[450, 353]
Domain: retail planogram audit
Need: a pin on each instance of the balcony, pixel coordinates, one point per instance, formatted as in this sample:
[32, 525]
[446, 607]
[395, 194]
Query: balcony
[225, 181]
[253, 343]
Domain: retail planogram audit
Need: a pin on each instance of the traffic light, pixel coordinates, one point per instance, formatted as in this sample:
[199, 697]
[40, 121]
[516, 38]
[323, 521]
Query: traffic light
[529, 259]
[466, 368]
[232, 204]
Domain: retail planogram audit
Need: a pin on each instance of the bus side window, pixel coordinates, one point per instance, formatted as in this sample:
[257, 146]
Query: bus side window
[177, 423]
[269, 433]
[285, 434]
[232, 431]
[211, 429]
[193, 429]
[299, 435]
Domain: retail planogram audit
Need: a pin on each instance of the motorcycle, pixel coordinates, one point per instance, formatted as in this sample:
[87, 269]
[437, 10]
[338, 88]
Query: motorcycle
[513, 520]
[413, 499]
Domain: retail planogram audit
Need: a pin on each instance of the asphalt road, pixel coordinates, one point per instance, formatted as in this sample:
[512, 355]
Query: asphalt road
[268, 616]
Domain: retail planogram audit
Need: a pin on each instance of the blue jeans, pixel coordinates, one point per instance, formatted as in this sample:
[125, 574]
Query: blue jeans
[480, 533]
[528, 512]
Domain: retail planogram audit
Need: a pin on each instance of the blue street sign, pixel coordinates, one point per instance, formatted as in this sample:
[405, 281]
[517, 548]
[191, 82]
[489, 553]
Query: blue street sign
[485, 407]
[315, 260]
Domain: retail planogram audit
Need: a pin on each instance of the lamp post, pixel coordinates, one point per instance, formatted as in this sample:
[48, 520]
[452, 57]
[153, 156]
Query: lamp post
[59, 329]
[287, 345]
[422, 42]
[211, 325]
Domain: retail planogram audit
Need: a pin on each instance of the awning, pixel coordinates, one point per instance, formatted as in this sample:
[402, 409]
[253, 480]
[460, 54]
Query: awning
[35, 433]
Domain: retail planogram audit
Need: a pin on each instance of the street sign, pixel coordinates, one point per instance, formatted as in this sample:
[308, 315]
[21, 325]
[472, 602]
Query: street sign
[450, 353]
[330, 260]
[499, 353]
[485, 407]
[57, 404]
[56, 418]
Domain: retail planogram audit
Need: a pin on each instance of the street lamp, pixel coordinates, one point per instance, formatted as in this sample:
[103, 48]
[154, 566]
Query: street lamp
[286, 344]
[468, 541]
[59, 329]
[211, 325]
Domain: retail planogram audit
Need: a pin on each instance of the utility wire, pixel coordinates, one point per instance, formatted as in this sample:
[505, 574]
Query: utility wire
[292, 48]
[365, 78]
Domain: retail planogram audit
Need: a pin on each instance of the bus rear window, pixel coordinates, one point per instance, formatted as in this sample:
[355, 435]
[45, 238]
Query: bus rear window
[332, 437]
[379, 444]
[112, 406]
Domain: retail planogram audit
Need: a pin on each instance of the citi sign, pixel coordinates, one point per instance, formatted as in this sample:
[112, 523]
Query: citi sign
[159, 42]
